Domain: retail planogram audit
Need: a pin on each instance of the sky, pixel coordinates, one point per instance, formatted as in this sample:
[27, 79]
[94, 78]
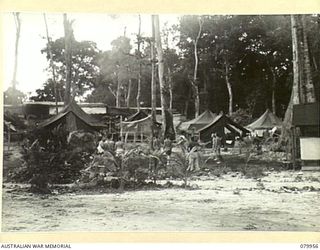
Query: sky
[100, 28]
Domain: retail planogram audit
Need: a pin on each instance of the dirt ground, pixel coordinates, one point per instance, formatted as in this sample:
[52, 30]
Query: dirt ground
[285, 201]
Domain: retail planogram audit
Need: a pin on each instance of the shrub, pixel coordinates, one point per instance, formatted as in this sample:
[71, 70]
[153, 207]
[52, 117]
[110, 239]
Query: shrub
[55, 156]
[128, 168]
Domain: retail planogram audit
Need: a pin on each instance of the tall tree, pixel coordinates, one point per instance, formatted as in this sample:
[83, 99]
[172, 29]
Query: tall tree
[129, 90]
[47, 92]
[171, 59]
[195, 71]
[18, 28]
[68, 34]
[51, 63]
[227, 78]
[69, 95]
[153, 79]
[167, 118]
[12, 95]
[302, 88]
[118, 69]
[153, 70]
[139, 56]
[85, 70]
[226, 53]
[307, 93]
[274, 47]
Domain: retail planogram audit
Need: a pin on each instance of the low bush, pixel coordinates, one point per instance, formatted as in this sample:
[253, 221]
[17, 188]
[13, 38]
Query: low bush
[54, 157]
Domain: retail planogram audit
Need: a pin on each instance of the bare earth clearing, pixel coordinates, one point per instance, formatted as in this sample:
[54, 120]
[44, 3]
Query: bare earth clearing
[285, 201]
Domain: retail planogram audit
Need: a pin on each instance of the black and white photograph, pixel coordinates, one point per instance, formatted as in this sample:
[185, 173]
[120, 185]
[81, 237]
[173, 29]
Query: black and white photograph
[160, 122]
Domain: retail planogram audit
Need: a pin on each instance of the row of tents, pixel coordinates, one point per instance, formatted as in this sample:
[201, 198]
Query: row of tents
[140, 123]
[208, 123]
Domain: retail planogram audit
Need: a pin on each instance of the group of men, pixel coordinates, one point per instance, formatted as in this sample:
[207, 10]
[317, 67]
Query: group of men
[189, 147]
[107, 144]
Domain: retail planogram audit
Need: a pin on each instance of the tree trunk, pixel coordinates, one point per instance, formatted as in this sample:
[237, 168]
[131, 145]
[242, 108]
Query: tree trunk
[118, 93]
[139, 61]
[309, 87]
[60, 95]
[68, 58]
[295, 96]
[70, 120]
[273, 97]
[139, 88]
[129, 92]
[195, 82]
[205, 100]
[229, 87]
[186, 105]
[51, 64]
[18, 28]
[167, 123]
[301, 61]
[196, 99]
[153, 71]
[153, 82]
[315, 63]
[302, 88]
[170, 88]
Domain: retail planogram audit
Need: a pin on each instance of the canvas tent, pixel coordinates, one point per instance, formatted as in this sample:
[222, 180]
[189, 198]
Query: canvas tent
[224, 127]
[199, 122]
[83, 121]
[266, 121]
[139, 129]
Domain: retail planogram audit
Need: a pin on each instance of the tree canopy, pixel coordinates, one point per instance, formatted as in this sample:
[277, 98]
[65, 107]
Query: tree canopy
[246, 58]
[85, 69]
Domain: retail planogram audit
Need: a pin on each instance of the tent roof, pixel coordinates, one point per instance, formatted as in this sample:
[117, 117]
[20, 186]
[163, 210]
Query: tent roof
[266, 121]
[77, 111]
[202, 120]
[230, 124]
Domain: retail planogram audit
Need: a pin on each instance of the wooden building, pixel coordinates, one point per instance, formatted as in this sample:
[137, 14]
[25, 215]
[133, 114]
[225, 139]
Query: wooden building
[306, 134]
